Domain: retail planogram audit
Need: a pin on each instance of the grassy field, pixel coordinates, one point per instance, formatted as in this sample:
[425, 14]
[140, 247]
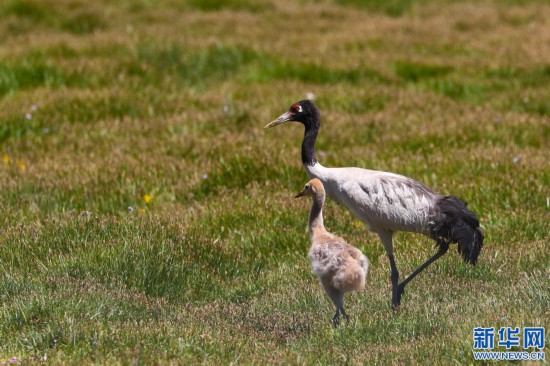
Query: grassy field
[147, 216]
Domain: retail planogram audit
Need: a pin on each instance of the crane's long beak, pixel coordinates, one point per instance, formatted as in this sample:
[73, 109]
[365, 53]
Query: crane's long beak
[285, 117]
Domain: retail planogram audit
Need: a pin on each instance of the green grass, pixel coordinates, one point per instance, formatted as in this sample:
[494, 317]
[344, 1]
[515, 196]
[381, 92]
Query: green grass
[147, 216]
[211, 64]
[73, 17]
[415, 72]
[236, 5]
[270, 70]
[33, 73]
[394, 8]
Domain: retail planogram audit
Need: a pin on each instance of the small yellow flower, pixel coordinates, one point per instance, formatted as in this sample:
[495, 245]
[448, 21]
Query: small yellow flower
[147, 198]
[141, 211]
[21, 165]
[6, 159]
[357, 223]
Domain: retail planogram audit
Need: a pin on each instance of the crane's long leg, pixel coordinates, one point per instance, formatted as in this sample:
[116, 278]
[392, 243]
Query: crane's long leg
[399, 288]
[442, 250]
[386, 237]
[396, 299]
[397, 291]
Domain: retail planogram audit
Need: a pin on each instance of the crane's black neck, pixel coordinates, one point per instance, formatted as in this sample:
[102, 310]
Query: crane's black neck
[312, 126]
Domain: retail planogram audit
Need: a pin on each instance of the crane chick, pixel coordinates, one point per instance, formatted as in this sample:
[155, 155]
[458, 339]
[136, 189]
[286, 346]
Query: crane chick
[339, 266]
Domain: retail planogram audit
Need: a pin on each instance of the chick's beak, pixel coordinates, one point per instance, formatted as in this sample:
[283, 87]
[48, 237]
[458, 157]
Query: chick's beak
[301, 194]
[285, 117]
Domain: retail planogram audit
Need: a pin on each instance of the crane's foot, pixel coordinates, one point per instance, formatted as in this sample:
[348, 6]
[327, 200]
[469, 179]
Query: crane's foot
[397, 292]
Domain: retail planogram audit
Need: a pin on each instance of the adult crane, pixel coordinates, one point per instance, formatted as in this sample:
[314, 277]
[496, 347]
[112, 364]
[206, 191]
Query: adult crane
[388, 202]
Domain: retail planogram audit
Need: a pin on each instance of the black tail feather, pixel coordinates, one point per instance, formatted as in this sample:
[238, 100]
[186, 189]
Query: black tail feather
[454, 223]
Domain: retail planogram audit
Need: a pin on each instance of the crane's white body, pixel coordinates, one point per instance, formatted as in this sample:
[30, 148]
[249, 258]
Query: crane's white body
[385, 202]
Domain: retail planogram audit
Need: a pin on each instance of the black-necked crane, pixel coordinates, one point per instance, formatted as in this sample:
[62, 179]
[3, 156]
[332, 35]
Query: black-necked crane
[388, 202]
[340, 267]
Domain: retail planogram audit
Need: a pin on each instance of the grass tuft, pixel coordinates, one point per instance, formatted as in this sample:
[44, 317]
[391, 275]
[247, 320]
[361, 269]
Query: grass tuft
[469, 92]
[83, 23]
[213, 63]
[309, 73]
[394, 8]
[32, 73]
[414, 72]
[237, 5]
[65, 17]
[35, 11]
[533, 105]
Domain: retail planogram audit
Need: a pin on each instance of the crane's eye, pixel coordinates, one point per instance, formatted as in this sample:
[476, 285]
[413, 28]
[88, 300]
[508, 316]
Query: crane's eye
[296, 108]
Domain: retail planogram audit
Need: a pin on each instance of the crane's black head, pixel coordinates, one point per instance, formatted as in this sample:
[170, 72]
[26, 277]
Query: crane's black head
[303, 111]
